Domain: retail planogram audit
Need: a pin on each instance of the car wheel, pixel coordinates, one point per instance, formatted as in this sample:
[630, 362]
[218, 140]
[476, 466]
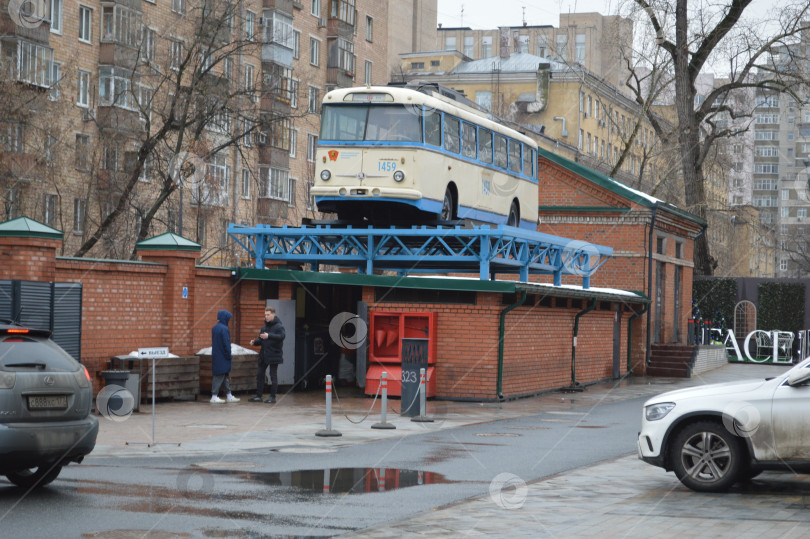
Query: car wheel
[35, 477]
[448, 206]
[707, 457]
[514, 216]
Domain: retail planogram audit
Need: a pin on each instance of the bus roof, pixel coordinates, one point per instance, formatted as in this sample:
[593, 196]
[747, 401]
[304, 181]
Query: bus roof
[413, 97]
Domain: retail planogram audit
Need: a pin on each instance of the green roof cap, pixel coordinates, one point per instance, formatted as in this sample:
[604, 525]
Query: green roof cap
[23, 227]
[168, 242]
[618, 187]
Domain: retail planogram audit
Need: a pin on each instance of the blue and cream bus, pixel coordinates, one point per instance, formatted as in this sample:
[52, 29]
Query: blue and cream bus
[393, 154]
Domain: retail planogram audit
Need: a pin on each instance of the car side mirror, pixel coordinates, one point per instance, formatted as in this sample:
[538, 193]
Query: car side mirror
[798, 377]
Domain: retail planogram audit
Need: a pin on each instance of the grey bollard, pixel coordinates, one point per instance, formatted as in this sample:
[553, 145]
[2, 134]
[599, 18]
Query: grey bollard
[383, 424]
[422, 418]
[328, 431]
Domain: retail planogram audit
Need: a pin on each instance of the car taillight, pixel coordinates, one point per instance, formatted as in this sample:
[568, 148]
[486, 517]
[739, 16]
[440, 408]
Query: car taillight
[82, 377]
[16, 330]
[7, 380]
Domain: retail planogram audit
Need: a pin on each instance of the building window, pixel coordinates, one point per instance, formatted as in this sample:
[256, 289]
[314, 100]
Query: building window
[542, 46]
[293, 93]
[227, 68]
[367, 77]
[201, 229]
[312, 147]
[83, 152]
[313, 100]
[450, 43]
[369, 28]
[49, 210]
[291, 192]
[468, 46]
[245, 188]
[562, 47]
[345, 57]
[148, 45]
[280, 133]
[310, 200]
[273, 183]
[579, 50]
[801, 213]
[56, 16]
[486, 46]
[121, 24]
[417, 65]
[316, 8]
[314, 51]
[678, 249]
[296, 44]
[738, 200]
[783, 265]
[179, 6]
[85, 24]
[484, 99]
[293, 141]
[785, 194]
[278, 29]
[176, 54]
[79, 214]
[83, 87]
[250, 25]
[523, 43]
[34, 63]
[581, 137]
[660, 245]
[785, 212]
[248, 82]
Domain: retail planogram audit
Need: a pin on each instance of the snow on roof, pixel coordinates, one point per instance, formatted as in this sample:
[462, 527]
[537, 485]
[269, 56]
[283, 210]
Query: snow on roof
[236, 350]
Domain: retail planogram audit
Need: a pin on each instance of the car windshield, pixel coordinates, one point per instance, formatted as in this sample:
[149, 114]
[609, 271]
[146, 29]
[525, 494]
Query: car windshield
[353, 123]
[24, 352]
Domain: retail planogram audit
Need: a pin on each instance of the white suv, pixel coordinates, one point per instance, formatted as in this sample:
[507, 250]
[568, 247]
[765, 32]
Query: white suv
[715, 435]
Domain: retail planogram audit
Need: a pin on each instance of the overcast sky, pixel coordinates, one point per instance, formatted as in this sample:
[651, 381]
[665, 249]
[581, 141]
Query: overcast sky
[494, 13]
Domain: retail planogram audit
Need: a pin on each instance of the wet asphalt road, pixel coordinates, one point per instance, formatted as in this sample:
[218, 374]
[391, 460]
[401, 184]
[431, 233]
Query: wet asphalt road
[300, 492]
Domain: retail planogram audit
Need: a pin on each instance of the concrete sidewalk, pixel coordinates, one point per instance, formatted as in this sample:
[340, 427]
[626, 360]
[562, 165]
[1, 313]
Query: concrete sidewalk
[201, 427]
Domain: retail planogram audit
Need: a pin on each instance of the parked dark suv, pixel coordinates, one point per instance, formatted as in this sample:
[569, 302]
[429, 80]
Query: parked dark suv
[45, 401]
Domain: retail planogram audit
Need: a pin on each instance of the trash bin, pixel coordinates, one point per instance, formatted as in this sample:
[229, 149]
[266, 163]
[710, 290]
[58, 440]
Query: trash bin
[133, 367]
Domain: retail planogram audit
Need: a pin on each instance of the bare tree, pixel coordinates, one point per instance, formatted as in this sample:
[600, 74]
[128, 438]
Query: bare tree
[685, 42]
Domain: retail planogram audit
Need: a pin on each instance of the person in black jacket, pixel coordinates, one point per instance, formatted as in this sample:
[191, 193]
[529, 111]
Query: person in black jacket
[271, 340]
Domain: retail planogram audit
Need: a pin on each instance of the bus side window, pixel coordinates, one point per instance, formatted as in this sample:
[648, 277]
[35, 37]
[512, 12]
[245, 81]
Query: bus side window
[468, 140]
[514, 156]
[485, 145]
[527, 161]
[433, 128]
[500, 151]
[451, 135]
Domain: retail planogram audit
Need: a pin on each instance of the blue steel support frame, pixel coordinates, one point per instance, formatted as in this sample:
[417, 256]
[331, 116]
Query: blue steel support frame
[425, 250]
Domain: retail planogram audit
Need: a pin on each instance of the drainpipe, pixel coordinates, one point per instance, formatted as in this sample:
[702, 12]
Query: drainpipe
[630, 336]
[649, 278]
[520, 301]
[574, 382]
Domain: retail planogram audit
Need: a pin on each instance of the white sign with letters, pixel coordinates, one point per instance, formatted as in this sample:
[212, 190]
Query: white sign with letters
[771, 336]
[157, 352]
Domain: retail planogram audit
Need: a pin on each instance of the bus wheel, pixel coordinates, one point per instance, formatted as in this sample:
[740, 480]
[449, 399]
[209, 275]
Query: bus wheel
[448, 206]
[514, 215]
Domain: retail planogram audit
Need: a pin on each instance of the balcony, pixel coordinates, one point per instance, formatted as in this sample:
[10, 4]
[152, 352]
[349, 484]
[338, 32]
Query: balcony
[285, 6]
[116, 54]
[119, 120]
[339, 77]
[342, 18]
[38, 31]
[271, 208]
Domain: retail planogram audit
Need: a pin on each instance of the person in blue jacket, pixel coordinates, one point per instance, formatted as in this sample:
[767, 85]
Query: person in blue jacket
[221, 358]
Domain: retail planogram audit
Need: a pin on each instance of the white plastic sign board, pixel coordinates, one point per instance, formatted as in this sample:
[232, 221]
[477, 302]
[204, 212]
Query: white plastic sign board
[153, 352]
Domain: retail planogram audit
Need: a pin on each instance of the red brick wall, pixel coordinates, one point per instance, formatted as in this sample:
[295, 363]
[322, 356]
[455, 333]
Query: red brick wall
[28, 259]
[537, 346]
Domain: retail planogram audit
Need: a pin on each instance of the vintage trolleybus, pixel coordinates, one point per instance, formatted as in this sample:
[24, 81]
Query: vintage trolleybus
[412, 154]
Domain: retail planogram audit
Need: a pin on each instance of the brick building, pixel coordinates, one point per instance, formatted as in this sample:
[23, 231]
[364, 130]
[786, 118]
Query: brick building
[652, 240]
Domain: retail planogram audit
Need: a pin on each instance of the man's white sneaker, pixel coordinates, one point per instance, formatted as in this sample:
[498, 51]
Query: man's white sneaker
[231, 398]
[216, 400]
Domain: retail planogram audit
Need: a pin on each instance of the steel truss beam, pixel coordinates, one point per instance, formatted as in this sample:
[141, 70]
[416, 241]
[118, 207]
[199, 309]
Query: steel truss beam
[425, 249]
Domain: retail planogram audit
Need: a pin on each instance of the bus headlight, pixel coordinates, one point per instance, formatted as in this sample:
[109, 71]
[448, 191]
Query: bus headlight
[325, 175]
[399, 176]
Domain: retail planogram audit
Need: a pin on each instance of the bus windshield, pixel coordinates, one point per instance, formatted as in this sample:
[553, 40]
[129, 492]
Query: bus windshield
[353, 123]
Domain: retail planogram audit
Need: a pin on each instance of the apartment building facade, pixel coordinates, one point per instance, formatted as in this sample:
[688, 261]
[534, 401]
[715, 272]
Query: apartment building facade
[590, 40]
[90, 86]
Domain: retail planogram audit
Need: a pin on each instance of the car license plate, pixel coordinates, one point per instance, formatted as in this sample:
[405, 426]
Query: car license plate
[47, 402]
